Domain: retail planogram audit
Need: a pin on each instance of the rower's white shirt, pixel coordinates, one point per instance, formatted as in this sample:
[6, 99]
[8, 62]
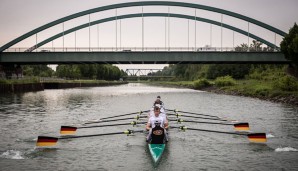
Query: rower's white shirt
[153, 119]
[162, 113]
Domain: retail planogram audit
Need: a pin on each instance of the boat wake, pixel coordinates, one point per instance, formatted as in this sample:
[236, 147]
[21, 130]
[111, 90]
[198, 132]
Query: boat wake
[27, 140]
[12, 154]
[269, 136]
[285, 149]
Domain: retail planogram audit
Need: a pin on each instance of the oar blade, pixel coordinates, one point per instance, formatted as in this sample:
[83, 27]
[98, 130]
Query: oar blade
[68, 130]
[241, 126]
[43, 141]
[257, 137]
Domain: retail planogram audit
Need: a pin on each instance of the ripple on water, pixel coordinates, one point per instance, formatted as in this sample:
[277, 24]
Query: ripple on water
[12, 154]
[285, 149]
[270, 135]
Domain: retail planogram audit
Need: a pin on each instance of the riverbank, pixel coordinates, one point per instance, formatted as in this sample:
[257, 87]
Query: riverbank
[17, 86]
[248, 88]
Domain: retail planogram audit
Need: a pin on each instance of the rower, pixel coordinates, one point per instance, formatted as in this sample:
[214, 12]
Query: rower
[158, 101]
[156, 120]
[162, 112]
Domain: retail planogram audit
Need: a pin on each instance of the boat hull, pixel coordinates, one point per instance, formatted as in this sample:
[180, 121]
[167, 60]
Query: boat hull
[156, 151]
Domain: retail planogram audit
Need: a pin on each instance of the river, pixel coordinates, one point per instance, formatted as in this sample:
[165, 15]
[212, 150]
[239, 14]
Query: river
[27, 115]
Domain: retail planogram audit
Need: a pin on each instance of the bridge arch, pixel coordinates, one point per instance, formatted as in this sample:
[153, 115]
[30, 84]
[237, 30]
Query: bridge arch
[152, 15]
[142, 3]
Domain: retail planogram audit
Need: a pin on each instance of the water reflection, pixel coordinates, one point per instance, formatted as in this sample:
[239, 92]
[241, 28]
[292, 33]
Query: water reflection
[25, 116]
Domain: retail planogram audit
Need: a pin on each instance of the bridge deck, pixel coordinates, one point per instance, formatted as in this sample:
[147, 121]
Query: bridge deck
[141, 57]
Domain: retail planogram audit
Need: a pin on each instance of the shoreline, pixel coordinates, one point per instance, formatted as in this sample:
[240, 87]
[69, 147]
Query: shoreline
[288, 100]
[41, 86]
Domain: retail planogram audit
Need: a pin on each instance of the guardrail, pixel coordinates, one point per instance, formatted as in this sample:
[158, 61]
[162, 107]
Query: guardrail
[120, 49]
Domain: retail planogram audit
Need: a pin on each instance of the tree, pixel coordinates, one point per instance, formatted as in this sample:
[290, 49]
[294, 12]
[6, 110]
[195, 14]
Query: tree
[37, 70]
[289, 46]
[242, 48]
[255, 46]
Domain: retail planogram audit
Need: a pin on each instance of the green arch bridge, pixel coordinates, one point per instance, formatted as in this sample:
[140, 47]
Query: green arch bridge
[142, 55]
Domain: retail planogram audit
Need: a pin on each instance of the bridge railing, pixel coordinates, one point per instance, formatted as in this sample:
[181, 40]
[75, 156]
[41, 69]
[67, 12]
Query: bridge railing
[122, 49]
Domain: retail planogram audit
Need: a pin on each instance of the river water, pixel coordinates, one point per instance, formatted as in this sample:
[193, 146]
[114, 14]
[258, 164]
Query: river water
[27, 115]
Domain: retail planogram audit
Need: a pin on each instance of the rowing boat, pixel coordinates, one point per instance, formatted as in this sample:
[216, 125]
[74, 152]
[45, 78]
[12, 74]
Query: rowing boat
[157, 143]
[156, 151]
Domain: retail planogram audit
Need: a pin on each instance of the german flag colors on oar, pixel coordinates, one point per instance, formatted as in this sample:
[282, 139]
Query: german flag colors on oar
[241, 126]
[51, 141]
[257, 137]
[68, 130]
[46, 141]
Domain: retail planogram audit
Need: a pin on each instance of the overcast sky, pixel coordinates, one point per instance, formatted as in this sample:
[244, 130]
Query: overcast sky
[21, 16]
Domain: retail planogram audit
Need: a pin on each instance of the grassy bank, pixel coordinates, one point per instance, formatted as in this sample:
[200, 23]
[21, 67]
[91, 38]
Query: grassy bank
[31, 80]
[38, 84]
[261, 89]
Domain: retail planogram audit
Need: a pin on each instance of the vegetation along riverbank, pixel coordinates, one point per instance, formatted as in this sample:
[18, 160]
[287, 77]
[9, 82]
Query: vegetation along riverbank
[40, 77]
[40, 84]
[248, 88]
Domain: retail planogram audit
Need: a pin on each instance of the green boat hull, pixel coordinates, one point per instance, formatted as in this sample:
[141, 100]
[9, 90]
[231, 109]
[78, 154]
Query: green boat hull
[156, 151]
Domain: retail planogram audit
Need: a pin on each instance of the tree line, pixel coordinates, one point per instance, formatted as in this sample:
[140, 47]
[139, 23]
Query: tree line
[90, 71]
[76, 71]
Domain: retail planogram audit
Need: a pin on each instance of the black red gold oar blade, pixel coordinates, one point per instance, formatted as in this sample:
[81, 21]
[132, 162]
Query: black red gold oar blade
[241, 126]
[43, 141]
[257, 137]
[68, 130]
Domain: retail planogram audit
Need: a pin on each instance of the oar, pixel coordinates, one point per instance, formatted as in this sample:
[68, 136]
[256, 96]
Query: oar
[244, 126]
[198, 117]
[175, 110]
[126, 114]
[253, 137]
[51, 141]
[69, 130]
[122, 119]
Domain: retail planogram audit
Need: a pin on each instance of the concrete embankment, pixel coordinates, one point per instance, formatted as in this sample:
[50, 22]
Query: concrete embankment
[73, 85]
[16, 88]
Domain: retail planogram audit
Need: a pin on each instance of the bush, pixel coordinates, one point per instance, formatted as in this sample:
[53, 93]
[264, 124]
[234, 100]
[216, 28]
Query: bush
[267, 72]
[3, 81]
[224, 81]
[287, 83]
[262, 91]
[237, 71]
[201, 83]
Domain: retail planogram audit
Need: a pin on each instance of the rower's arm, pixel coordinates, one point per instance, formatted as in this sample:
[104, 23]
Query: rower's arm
[166, 125]
[148, 126]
